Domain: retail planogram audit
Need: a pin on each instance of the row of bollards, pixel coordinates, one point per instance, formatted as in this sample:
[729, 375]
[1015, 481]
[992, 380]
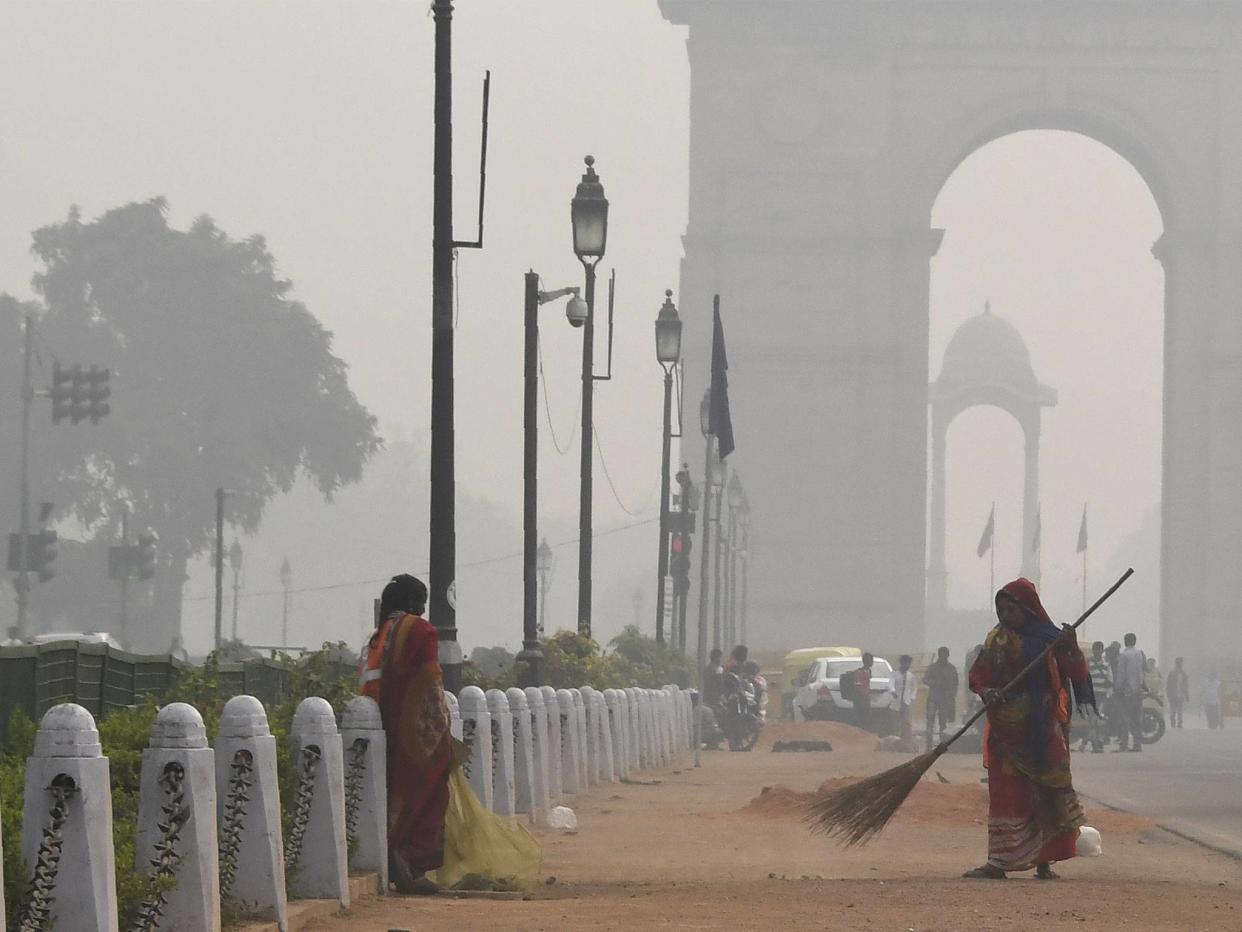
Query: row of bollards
[209, 819]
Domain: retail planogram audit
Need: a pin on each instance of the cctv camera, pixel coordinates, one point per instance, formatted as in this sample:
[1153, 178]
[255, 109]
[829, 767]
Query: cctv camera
[576, 311]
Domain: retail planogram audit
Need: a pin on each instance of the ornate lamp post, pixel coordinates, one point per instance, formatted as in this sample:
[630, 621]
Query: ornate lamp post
[286, 581]
[235, 564]
[668, 354]
[589, 217]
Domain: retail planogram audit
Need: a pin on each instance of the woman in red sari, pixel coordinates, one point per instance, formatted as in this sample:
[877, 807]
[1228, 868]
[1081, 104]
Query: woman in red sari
[402, 673]
[1033, 812]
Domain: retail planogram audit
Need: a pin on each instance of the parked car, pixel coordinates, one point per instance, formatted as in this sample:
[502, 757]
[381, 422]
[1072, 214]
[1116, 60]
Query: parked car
[89, 637]
[798, 665]
[820, 697]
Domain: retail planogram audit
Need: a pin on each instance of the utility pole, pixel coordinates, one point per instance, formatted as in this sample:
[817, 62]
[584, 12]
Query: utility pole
[23, 553]
[443, 544]
[219, 567]
[125, 580]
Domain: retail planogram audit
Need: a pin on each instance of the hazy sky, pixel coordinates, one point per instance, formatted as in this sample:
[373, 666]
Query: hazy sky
[310, 123]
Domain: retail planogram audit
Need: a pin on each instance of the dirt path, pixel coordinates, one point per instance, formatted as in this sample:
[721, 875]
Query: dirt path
[708, 849]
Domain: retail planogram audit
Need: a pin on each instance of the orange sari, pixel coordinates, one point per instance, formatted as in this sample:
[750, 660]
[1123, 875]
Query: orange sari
[416, 722]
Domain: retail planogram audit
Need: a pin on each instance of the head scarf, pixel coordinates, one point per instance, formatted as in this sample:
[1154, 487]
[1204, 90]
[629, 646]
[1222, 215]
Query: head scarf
[1037, 634]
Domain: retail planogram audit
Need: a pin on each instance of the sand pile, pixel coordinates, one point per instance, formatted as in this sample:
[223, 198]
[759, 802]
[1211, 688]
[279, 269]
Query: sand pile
[930, 803]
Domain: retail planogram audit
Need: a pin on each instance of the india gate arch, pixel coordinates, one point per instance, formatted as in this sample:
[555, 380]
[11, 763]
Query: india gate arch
[821, 132]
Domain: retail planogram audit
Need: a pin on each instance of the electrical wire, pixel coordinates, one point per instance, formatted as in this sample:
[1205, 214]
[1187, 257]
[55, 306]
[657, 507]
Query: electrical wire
[375, 582]
[547, 410]
[608, 476]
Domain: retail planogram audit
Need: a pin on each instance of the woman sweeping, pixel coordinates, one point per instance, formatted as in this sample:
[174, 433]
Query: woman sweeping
[1033, 812]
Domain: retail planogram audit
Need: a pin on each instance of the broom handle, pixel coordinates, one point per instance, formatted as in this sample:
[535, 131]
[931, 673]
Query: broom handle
[944, 745]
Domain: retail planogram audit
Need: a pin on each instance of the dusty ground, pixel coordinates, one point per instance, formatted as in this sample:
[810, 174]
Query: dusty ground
[708, 849]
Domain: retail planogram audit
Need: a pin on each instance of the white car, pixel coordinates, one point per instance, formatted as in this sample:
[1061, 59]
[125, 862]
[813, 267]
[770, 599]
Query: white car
[819, 689]
[90, 637]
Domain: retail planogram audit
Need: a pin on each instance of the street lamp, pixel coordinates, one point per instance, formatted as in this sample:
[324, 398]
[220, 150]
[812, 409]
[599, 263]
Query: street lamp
[235, 563]
[668, 353]
[589, 217]
[544, 560]
[531, 655]
[736, 496]
[689, 504]
[286, 580]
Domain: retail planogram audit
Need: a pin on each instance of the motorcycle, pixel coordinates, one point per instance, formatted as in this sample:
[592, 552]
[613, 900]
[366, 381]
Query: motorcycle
[1153, 718]
[741, 717]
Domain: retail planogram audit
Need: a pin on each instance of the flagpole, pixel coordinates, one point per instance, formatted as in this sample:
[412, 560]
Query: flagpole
[992, 560]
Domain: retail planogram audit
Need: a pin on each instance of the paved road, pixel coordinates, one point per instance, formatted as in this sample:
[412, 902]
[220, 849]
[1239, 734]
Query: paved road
[1190, 781]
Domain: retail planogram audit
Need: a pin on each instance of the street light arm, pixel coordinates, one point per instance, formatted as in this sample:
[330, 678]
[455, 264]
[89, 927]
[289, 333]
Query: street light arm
[546, 296]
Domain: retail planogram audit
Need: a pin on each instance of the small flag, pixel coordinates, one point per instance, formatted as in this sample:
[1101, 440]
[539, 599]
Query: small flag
[720, 423]
[1082, 532]
[1035, 535]
[985, 541]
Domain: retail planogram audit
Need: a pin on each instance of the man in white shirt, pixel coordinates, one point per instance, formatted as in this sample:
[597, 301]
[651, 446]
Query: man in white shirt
[1128, 690]
[903, 686]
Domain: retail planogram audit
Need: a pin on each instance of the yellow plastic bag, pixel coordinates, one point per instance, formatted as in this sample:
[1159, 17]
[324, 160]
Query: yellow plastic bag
[480, 844]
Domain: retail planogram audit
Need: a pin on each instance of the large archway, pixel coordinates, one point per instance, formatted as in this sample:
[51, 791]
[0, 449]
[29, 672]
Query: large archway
[821, 135]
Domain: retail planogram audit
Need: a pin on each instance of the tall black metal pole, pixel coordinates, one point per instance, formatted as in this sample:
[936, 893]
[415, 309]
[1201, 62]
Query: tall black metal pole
[745, 578]
[662, 562]
[732, 594]
[705, 556]
[23, 553]
[443, 544]
[588, 438]
[716, 587]
[530, 654]
[219, 567]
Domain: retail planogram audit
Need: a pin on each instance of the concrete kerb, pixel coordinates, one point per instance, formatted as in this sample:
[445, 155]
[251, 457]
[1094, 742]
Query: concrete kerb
[367, 781]
[248, 812]
[68, 792]
[177, 787]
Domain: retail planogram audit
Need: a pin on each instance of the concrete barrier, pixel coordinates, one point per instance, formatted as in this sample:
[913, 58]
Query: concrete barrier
[316, 851]
[177, 836]
[503, 788]
[571, 744]
[525, 794]
[366, 787]
[584, 775]
[607, 767]
[476, 731]
[616, 722]
[252, 867]
[541, 775]
[590, 719]
[67, 826]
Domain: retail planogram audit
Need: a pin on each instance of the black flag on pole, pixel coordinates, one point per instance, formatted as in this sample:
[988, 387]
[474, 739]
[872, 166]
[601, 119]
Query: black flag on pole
[719, 422]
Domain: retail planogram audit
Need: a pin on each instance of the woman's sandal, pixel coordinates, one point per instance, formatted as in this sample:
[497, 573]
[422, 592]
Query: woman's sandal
[986, 872]
[1045, 872]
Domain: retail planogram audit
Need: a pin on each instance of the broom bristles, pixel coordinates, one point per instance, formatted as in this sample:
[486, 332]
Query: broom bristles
[856, 813]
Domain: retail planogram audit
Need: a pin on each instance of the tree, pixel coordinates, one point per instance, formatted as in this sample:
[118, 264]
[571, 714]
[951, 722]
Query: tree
[219, 379]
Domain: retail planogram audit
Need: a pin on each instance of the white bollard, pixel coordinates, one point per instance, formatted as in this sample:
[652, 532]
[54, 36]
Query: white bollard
[666, 726]
[674, 716]
[67, 826]
[607, 767]
[252, 860]
[640, 727]
[540, 775]
[616, 722]
[525, 792]
[633, 743]
[317, 853]
[571, 772]
[454, 715]
[177, 822]
[687, 718]
[366, 786]
[476, 734]
[584, 774]
[590, 719]
[552, 710]
[502, 753]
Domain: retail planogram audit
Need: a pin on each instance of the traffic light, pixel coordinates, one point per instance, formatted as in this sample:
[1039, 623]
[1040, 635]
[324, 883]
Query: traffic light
[97, 393]
[42, 555]
[679, 562]
[62, 392]
[144, 555]
[79, 394]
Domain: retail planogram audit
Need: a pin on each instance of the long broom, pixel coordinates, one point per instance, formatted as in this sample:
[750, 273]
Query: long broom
[856, 813]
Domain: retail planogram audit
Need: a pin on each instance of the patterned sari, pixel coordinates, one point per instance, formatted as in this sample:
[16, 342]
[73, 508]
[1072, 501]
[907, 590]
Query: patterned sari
[416, 721]
[1033, 811]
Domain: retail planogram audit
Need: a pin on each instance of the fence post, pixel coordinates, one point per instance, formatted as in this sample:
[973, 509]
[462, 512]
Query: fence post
[524, 792]
[476, 730]
[538, 718]
[584, 775]
[252, 867]
[177, 824]
[316, 858]
[607, 762]
[616, 722]
[366, 786]
[67, 826]
[571, 772]
[590, 723]
[552, 710]
[502, 752]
